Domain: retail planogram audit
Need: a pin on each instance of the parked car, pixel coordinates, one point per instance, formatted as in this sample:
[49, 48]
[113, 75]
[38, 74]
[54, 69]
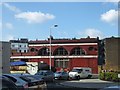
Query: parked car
[26, 81]
[61, 75]
[34, 81]
[7, 84]
[80, 72]
[111, 88]
[47, 75]
[21, 84]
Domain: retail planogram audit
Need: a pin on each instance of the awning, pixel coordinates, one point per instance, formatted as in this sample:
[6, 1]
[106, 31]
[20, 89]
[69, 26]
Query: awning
[17, 63]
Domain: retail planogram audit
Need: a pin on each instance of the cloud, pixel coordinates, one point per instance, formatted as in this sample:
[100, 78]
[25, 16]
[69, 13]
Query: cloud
[30, 17]
[34, 17]
[12, 8]
[110, 17]
[8, 26]
[93, 33]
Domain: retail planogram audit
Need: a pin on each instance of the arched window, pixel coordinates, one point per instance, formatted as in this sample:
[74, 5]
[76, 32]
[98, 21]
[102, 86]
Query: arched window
[43, 52]
[77, 51]
[33, 50]
[91, 48]
[60, 51]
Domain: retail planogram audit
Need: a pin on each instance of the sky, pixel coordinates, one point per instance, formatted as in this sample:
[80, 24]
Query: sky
[34, 20]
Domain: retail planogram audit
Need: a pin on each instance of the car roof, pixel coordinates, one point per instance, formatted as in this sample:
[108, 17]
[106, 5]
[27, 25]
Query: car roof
[15, 77]
[4, 79]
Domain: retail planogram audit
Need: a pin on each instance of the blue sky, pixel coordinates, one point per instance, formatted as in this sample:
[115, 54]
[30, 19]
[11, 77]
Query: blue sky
[78, 19]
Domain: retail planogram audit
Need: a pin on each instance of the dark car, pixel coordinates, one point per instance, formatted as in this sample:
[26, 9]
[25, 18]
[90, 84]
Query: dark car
[20, 83]
[26, 81]
[61, 75]
[47, 75]
[7, 84]
[34, 82]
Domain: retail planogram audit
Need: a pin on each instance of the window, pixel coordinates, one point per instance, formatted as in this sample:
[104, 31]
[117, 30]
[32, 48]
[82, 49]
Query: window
[19, 50]
[43, 52]
[77, 70]
[87, 70]
[13, 45]
[24, 45]
[25, 51]
[77, 51]
[20, 46]
[91, 48]
[32, 49]
[61, 63]
[60, 51]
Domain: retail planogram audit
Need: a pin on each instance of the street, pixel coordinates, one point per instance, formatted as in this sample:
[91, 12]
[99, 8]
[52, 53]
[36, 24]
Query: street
[57, 86]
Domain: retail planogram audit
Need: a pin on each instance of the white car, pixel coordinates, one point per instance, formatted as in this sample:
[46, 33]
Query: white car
[80, 72]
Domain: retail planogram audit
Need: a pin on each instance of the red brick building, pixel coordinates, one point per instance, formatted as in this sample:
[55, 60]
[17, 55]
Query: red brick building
[65, 53]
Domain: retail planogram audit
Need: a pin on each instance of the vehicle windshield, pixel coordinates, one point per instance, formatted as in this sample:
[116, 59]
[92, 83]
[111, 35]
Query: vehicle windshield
[40, 73]
[77, 70]
[57, 72]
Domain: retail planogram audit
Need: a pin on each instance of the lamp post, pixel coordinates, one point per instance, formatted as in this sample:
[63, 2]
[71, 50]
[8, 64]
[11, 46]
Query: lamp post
[50, 43]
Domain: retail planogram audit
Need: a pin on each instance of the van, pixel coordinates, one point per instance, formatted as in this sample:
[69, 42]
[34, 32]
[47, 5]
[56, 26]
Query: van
[80, 72]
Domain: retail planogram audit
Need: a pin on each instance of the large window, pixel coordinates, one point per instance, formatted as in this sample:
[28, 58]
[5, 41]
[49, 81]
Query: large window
[60, 52]
[77, 51]
[61, 63]
[43, 52]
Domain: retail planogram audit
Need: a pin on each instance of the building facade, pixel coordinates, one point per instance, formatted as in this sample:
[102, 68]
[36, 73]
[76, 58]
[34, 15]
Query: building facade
[65, 53]
[111, 46]
[19, 45]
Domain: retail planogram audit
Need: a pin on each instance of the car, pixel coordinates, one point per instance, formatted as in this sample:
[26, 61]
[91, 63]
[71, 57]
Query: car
[34, 81]
[26, 81]
[61, 75]
[20, 83]
[47, 75]
[7, 84]
[111, 88]
[80, 72]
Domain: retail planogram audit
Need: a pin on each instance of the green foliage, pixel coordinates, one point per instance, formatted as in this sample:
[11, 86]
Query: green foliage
[109, 76]
[115, 77]
[101, 76]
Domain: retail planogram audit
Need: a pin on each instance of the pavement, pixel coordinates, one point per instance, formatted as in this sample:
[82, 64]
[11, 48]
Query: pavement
[88, 83]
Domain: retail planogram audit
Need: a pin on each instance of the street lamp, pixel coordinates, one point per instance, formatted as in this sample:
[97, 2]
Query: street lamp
[50, 42]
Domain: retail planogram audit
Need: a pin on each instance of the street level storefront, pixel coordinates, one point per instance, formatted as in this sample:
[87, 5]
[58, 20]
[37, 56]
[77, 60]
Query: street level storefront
[65, 53]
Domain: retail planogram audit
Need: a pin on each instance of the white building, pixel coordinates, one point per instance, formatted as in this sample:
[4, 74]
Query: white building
[19, 45]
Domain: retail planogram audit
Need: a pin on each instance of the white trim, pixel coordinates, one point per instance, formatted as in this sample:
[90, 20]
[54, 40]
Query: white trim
[27, 57]
[63, 44]
[61, 59]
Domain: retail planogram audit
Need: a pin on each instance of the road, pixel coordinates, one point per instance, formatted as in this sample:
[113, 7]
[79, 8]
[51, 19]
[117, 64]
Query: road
[57, 86]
